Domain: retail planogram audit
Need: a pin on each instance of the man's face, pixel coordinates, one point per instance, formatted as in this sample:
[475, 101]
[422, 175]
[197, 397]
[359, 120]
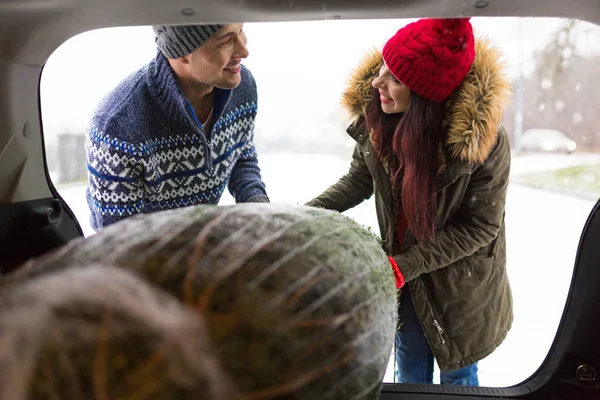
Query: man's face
[218, 61]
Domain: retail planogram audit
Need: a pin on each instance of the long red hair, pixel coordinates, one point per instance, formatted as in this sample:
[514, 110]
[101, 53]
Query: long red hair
[409, 142]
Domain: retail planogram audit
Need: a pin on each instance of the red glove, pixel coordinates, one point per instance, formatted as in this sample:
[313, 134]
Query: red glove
[397, 274]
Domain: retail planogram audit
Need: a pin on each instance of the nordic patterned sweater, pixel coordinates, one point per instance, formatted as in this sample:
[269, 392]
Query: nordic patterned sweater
[147, 151]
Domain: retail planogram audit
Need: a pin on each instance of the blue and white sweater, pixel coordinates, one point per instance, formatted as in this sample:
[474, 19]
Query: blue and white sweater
[147, 151]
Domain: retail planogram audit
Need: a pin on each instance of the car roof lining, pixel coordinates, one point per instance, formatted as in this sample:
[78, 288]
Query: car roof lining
[30, 30]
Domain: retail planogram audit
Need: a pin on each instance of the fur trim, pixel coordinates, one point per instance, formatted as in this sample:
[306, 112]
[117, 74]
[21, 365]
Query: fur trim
[357, 96]
[474, 111]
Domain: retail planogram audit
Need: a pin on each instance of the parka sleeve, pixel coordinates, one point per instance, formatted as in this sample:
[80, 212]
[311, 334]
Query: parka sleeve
[476, 224]
[351, 190]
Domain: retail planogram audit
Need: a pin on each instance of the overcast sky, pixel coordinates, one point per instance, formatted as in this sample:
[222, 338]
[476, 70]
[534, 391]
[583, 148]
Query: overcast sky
[300, 67]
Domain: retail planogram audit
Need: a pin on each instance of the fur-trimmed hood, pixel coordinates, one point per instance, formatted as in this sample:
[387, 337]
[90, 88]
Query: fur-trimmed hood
[473, 111]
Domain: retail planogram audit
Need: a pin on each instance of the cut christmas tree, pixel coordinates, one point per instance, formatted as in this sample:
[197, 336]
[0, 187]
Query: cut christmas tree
[252, 301]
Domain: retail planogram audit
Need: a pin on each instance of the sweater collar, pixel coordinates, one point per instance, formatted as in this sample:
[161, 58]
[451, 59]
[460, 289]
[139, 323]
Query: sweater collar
[168, 95]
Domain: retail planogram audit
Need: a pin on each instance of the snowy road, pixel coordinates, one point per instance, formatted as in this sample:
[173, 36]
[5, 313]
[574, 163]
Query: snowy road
[543, 231]
[542, 162]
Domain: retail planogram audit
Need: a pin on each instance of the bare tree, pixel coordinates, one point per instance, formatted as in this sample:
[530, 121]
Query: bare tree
[558, 95]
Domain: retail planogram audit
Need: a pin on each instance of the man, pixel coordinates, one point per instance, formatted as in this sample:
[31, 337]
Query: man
[179, 130]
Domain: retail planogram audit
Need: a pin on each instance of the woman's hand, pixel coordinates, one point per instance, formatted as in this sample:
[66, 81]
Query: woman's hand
[397, 274]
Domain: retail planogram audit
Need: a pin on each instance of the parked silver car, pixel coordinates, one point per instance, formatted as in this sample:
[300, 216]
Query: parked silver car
[547, 141]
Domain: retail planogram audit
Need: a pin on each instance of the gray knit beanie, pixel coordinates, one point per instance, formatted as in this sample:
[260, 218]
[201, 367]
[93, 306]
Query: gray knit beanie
[176, 41]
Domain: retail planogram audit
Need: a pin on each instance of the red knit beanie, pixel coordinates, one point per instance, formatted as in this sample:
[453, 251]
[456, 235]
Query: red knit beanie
[431, 56]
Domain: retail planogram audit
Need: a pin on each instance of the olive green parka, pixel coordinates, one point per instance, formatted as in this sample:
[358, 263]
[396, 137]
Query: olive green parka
[459, 283]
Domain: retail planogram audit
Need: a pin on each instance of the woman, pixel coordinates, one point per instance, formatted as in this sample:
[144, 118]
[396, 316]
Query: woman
[430, 146]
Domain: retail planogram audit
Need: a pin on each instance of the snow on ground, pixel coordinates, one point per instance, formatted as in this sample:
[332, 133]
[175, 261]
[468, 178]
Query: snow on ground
[543, 231]
[542, 162]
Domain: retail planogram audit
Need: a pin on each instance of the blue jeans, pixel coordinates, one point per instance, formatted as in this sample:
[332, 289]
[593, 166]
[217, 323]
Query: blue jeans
[414, 358]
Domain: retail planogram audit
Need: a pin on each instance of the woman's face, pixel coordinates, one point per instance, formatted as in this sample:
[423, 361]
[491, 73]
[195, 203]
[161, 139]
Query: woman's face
[394, 95]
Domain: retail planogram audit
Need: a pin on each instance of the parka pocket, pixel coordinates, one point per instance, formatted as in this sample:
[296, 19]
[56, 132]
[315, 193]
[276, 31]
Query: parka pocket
[465, 293]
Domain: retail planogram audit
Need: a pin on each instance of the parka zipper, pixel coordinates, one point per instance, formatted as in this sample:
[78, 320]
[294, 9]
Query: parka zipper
[439, 329]
[436, 324]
